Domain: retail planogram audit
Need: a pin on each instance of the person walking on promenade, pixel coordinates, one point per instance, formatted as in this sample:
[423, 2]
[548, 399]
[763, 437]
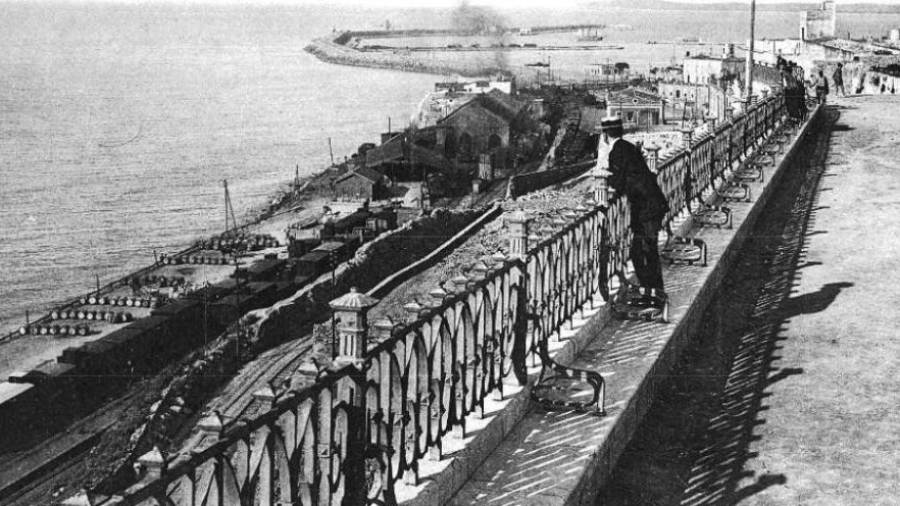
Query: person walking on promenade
[838, 78]
[792, 93]
[631, 177]
[821, 87]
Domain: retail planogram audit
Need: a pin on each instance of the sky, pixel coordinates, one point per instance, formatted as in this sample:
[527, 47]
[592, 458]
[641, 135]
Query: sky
[510, 4]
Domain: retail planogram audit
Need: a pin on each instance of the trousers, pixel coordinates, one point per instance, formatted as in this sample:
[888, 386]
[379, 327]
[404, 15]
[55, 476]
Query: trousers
[645, 254]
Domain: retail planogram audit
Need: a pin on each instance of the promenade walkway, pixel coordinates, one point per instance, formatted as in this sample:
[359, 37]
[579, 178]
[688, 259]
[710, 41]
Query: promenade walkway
[831, 434]
[789, 394]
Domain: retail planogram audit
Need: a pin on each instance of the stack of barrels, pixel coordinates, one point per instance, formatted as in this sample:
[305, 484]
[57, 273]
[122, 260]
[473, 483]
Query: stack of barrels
[161, 281]
[196, 259]
[103, 300]
[80, 329]
[227, 244]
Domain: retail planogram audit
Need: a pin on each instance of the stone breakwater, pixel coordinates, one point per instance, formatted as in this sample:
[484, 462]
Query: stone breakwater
[332, 51]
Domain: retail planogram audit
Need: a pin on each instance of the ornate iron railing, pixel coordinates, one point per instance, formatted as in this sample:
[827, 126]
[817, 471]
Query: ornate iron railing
[368, 424]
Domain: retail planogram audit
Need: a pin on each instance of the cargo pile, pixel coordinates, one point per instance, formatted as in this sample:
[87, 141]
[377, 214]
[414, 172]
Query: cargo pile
[235, 243]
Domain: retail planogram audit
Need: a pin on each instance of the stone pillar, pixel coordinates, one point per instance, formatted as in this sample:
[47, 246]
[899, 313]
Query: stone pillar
[460, 283]
[518, 224]
[265, 396]
[412, 311]
[153, 463]
[211, 425]
[754, 99]
[729, 112]
[601, 186]
[437, 297]
[687, 138]
[383, 328]
[652, 157]
[765, 94]
[352, 328]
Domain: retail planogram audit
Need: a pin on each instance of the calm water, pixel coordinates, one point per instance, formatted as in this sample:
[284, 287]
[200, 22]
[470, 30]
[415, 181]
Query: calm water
[117, 124]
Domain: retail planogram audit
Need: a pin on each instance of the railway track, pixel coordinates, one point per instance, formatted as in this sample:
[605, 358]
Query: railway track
[40, 489]
[237, 401]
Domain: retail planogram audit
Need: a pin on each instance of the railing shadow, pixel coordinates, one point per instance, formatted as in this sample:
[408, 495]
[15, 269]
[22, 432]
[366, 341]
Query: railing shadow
[692, 447]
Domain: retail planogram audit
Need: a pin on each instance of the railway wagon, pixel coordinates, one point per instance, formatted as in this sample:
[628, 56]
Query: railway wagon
[59, 388]
[18, 405]
[211, 293]
[299, 247]
[313, 263]
[265, 293]
[265, 270]
[229, 308]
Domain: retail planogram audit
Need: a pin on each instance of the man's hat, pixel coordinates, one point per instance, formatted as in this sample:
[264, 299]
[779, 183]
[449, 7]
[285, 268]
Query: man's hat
[610, 122]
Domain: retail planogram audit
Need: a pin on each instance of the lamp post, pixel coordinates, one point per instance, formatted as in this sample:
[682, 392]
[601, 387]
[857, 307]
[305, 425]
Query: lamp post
[749, 70]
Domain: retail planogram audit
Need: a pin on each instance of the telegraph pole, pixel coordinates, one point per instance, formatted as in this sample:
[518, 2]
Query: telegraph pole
[749, 70]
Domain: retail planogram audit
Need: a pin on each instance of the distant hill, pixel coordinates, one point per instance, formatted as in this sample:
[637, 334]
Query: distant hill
[861, 7]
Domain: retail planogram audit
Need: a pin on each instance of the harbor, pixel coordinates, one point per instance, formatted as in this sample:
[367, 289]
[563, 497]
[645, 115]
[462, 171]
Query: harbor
[391, 310]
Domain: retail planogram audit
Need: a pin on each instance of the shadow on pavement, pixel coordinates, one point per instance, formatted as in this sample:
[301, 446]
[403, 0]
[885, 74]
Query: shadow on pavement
[692, 446]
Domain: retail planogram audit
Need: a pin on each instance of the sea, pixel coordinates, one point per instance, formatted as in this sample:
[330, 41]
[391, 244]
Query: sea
[120, 121]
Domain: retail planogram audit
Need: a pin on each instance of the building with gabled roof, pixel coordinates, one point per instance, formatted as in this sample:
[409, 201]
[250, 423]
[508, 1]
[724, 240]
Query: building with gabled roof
[483, 124]
[363, 183]
[639, 109]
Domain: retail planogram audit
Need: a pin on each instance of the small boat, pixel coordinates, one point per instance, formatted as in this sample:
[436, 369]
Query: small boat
[537, 64]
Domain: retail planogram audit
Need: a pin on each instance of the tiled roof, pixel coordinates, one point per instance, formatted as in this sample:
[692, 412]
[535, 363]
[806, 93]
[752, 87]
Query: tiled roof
[364, 172]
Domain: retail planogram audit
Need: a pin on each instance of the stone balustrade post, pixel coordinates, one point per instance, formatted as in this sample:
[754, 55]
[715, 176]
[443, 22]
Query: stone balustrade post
[265, 396]
[729, 113]
[518, 224]
[353, 326]
[653, 157]
[711, 119]
[211, 425]
[687, 138]
[765, 94]
[154, 464]
[412, 311]
[601, 185]
[383, 328]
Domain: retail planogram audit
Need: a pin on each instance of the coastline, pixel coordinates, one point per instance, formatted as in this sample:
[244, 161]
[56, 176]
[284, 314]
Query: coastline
[280, 202]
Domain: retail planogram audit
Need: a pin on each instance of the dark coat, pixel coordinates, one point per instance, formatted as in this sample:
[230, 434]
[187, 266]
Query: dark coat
[631, 177]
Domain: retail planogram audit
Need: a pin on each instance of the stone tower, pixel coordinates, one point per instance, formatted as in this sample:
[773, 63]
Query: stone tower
[819, 23]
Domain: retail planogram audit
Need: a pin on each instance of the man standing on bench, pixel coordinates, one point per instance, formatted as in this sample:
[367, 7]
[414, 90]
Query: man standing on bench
[631, 177]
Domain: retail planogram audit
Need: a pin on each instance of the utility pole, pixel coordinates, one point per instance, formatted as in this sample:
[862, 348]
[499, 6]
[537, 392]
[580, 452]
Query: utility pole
[749, 71]
[229, 209]
[330, 151]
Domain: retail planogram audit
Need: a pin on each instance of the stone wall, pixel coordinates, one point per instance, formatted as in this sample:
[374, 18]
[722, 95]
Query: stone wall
[526, 183]
[373, 262]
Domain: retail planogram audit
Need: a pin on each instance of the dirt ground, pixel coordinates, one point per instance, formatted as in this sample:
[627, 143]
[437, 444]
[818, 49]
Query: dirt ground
[789, 395]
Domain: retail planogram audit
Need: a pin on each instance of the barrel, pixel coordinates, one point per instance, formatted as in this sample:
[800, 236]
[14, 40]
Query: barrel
[70, 313]
[92, 299]
[45, 329]
[23, 330]
[82, 314]
[83, 330]
[54, 315]
[104, 300]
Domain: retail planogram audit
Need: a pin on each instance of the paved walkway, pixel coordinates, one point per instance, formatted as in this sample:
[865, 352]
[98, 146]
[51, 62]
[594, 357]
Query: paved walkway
[562, 458]
[790, 394]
